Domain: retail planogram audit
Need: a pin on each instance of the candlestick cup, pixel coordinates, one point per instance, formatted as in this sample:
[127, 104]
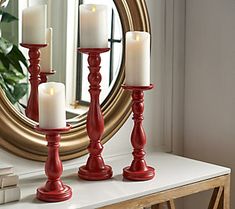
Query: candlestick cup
[95, 168]
[44, 75]
[138, 170]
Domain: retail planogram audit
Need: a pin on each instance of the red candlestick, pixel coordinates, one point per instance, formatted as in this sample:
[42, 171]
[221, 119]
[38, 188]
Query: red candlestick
[44, 75]
[31, 110]
[95, 168]
[54, 190]
[138, 171]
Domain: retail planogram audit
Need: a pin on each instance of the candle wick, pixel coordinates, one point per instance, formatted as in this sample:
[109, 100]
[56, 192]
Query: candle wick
[93, 9]
[52, 91]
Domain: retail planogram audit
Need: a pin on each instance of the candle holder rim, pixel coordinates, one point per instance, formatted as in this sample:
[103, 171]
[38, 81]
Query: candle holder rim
[141, 88]
[54, 130]
[48, 73]
[93, 50]
[33, 45]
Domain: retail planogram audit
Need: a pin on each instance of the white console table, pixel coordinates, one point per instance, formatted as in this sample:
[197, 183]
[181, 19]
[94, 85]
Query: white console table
[175, 177]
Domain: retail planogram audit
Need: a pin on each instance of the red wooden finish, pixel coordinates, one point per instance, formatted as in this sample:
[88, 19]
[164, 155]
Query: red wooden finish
[54, 190]
[44, 75]
[31, 110]
[138, 171]
[95, 168]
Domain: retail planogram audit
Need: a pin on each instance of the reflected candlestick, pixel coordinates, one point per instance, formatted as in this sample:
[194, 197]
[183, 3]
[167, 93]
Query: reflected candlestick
[44, 75]
[31, 110]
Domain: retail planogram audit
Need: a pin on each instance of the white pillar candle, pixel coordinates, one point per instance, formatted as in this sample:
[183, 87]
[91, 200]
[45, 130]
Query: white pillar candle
[137, 58]
[46, 54]
[93, 26]
[34, 22]
[52, 105]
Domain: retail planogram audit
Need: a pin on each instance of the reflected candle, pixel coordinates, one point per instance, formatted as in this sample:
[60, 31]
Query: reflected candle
[137, 58]
[34, 21]
[52, 105]
[46, 54]
[93, 26]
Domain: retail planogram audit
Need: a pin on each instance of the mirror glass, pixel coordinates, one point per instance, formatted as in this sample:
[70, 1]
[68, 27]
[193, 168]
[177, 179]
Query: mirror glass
[75, 79]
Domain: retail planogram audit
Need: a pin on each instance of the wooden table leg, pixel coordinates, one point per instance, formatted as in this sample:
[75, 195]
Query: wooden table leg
[226, 194]
[170, 205]
[221, 196]
[155, 206]
[216, 198]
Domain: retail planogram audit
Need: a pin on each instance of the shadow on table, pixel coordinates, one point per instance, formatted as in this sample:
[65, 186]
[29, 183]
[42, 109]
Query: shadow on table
[31, 199]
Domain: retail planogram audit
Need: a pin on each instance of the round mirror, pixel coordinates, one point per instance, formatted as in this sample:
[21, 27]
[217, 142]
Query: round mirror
[17, 131]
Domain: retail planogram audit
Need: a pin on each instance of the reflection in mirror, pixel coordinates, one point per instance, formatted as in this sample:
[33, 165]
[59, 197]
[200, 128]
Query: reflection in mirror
[78, 83]
[12, 62]
[111, 61]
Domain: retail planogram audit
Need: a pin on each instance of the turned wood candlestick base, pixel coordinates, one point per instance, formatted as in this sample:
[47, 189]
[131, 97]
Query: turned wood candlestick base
[44, 75]
[54, 190]
[31, 110]
[139, 170]
[95, 168]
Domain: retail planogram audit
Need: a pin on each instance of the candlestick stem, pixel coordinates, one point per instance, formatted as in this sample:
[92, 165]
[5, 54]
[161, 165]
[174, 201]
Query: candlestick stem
[31, 110]
[139, 170]
[95, 168]
[54, 190]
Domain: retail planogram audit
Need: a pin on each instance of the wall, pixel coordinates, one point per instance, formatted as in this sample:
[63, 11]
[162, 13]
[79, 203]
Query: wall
[209, 86]
[154, 118]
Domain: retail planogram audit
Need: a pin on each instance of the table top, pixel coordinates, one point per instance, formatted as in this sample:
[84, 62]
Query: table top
[171, 171]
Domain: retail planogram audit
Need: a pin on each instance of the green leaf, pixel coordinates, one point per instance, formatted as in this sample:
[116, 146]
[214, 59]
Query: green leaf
[15, 57]
[16, 73]
[10, 78]
[4, 61]
[19, 55]
[2, 70]
[7, 17]
[2, 83]
[15, 62]
[7, 91]
[20, 90]
[4, 3]
[9, 96]
[5, 46]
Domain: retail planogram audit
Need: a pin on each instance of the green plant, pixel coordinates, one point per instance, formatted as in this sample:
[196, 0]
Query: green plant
[11, 65]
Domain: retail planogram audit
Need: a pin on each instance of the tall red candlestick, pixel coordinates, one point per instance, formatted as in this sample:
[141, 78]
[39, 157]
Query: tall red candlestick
[31, 110]
[138, 171]
[95, 168]
[44, 75]
[54, 190]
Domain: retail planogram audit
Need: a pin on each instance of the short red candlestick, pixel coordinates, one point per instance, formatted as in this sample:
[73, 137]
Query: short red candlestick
[54, 190]
[138, 171]
[95, 168]
[44, 75]
[31, 110]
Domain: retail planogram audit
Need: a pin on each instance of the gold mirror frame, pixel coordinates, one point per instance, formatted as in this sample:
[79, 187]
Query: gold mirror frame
[17, 134]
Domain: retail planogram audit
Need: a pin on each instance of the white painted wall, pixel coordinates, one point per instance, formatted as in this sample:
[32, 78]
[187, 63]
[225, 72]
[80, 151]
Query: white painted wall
[210, 86]
[154, 119]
